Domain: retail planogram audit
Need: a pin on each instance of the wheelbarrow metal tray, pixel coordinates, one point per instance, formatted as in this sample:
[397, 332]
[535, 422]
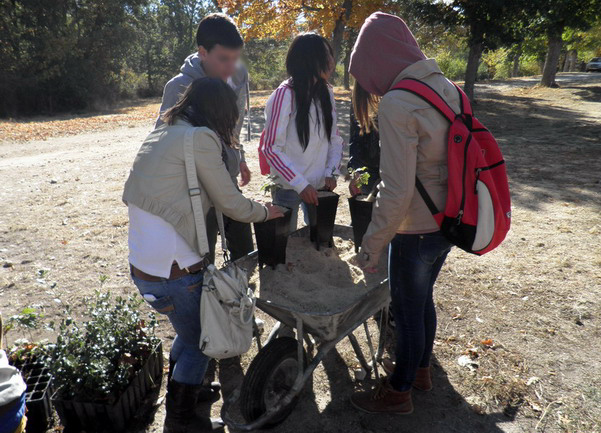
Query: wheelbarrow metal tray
[327, 325]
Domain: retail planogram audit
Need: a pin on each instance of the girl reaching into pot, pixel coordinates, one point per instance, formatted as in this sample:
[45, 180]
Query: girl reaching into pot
[166, 264]
[301, 144]
[413, 139]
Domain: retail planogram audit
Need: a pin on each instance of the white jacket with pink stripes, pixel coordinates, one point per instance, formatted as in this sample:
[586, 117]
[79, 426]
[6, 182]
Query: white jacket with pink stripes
[294, 167]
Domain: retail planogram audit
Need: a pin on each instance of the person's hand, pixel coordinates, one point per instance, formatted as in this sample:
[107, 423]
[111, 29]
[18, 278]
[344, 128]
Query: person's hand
[330, 183]
[244, 174]
[366, 262]
[352, 187]
[273, 211]
[309, 195]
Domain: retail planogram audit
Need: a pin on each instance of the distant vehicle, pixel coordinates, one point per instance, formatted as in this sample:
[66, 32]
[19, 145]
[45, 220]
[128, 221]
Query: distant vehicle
[594, 65]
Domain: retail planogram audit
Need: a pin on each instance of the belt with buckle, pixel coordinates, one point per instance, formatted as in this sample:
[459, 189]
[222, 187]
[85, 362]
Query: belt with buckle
[175, 273]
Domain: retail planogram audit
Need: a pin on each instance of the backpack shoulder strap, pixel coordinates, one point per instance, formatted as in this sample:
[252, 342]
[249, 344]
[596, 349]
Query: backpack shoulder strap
[466, 106]
[428, 94]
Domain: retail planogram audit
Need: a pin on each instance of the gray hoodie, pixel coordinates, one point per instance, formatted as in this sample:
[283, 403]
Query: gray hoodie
[190, 71]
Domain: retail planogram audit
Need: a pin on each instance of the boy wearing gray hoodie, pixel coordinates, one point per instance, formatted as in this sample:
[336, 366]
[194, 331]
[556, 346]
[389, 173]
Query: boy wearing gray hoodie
[219, 49]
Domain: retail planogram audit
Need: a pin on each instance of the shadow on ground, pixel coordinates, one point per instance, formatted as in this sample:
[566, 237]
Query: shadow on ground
[552, 153]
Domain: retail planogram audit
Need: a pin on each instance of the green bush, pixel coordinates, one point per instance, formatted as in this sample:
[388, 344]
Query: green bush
[452, 65]
[529, 65]
[96, 360]
[497, 63]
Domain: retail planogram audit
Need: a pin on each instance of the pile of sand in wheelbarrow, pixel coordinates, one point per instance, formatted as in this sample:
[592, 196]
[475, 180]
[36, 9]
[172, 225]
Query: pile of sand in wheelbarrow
[316, 281]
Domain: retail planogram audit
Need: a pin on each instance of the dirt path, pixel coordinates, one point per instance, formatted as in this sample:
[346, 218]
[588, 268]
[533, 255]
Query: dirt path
[529, 313]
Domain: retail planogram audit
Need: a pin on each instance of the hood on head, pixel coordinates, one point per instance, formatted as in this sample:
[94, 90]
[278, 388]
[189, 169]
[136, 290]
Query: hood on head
[384, 48]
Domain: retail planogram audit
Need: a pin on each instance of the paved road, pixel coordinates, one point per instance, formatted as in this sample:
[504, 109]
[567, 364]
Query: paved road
[563, 78]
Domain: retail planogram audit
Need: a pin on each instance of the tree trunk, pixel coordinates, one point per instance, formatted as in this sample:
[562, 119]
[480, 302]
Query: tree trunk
[573, 61]
[337, 37]
[471, 71]
[552, 59]
[350, 44]
[339, 28]
[515, 70]
[347, 61]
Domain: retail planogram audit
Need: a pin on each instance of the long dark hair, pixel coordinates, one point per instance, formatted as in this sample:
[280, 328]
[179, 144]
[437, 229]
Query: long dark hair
[309, 56]
[208, 102]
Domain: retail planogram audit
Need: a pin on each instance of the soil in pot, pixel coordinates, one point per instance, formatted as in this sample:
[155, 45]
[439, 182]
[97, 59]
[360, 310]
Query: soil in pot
[361, 207]
[272, 238]
[322, 218]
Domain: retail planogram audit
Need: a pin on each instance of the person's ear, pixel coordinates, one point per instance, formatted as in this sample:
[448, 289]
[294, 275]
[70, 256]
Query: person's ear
[202, 52]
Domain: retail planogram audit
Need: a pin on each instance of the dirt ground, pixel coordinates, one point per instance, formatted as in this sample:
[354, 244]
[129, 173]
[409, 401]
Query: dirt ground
[527, 316]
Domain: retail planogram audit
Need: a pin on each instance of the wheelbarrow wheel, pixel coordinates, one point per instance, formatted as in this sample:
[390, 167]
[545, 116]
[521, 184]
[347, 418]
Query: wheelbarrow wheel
[269, 378]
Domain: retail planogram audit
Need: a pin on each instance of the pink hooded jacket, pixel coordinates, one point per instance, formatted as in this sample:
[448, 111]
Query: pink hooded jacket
[384, 48]
[413, 135]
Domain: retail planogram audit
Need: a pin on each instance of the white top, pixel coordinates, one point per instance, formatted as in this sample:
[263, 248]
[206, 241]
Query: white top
[294, 167]
[12, 385]
[154, 244]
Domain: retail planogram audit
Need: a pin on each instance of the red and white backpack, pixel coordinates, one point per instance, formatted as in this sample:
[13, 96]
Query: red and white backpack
[477, 214]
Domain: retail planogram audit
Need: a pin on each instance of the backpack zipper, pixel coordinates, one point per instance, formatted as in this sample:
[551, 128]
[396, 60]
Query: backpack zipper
[464, 175]
[490, 167]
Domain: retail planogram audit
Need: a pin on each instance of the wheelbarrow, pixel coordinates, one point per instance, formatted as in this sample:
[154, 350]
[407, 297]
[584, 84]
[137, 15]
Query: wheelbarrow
[283, 365]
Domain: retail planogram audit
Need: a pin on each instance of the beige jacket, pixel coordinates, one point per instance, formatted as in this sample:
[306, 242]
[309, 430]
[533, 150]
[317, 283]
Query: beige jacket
[157, 181]
[413, 138]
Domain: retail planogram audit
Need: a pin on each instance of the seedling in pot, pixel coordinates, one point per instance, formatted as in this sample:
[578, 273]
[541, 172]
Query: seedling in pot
[361, 206]
[270, 186]
[361, 179]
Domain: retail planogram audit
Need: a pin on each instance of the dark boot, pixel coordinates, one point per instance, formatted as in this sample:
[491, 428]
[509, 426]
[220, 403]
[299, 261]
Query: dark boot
[181, 416]
[423, 376]
[384, 399]
[208, 393]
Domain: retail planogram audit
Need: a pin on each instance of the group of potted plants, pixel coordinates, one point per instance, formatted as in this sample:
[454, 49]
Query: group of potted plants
[98, 372]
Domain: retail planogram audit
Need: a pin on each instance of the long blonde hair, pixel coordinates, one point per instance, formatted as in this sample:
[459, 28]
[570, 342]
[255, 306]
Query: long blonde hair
[365, 106]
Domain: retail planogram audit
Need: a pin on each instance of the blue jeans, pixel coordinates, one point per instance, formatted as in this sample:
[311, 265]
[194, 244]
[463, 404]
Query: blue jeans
[179, 300]
[291, 199]
[414, 262]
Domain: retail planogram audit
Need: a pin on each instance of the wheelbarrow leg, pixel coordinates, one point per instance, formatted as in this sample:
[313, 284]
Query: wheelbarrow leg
[371, 350]
[383, 333]
[360, 357]
[257, 333]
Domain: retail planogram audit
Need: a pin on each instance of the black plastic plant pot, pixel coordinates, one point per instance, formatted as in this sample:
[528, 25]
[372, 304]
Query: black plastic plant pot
[360, 217]
[77, 415]
[322, 218]
[272, 239]
[38, 379]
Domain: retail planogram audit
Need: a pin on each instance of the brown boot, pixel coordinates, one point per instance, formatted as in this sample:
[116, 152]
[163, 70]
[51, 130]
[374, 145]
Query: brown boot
[384, 399]
[423, 377]
[181, 415]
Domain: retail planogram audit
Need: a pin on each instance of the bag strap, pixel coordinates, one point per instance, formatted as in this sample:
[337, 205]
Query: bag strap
[194, 192]
[425, 196]
[248, 121]
[466, 106]
[428, 95]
